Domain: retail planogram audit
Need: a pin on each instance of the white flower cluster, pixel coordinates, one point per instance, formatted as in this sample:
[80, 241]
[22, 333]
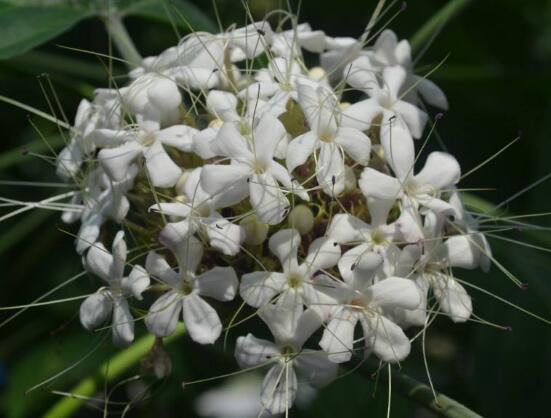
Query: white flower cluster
[242, 171]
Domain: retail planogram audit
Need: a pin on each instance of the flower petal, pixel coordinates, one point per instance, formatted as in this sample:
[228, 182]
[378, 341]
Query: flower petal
[251, 351]
[299, 149]
[452, 297]
[279, 388]
[136, 282]
[394, 292]
[355, 143]
[163, 315]
[219, 283]
[385, 338]
[338, 338]
[258, 288]
[441, 171]
[95, 310]
[201, 320]
[267, 199]
[123, 323]
[162, 171]
[116, 161]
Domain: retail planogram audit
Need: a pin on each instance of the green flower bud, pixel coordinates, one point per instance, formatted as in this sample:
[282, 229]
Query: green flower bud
[255, 231]
[302, 219]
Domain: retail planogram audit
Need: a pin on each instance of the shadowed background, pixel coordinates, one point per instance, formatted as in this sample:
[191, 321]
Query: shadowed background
[498, 83]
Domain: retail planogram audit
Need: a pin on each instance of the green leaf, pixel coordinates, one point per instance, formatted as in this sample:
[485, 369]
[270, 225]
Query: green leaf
[181, 13]
[437, 22]
[25, 27]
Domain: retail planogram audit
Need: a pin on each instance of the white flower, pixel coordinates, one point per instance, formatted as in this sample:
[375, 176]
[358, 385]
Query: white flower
[291, 328]
[435, 267]
[388, 51]
[328, 135]
[154, 98]
[97, 308]
[187, 289]
[384, 99]
[146, 140]
[440, 173]
[287, 44]
[298, 284]
[199, 213]
[363, 301]
[253, 171]
[101, 199]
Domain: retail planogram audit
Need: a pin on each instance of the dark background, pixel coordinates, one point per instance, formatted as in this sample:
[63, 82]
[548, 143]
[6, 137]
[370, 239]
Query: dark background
[498, 82]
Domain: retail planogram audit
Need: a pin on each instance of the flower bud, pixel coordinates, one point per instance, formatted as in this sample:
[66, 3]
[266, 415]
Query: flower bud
[255, 231]
[302, 219]
[179, 187]
[350, 182]
[317, 73]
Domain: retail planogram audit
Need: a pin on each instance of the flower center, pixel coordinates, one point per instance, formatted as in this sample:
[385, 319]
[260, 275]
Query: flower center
[287, 353]
[259, 167]
[186, 288]
[294, 281]
[327, 137]
[147, 138]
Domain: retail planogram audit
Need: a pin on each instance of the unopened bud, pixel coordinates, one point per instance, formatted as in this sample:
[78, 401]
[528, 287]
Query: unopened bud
[216, 123]
[179, 187]
[344, 105]
[302, 219]
[255, 231]
[350, 183]
[317, 73]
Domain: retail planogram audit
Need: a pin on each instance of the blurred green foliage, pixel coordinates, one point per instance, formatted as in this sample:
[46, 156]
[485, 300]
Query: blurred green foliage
[498, 81]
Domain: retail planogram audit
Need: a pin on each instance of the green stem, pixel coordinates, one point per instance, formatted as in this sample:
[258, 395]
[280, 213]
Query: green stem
[121, 38]
[436, 22]
[418, 392]
[107, 373]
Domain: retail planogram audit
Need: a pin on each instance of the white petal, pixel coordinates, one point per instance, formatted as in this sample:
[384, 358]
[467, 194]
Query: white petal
[232, 144]
[361, 74]
[394, 292]
[338, 337]
[315, 368]
[441, 171]
[415, 118]
[158, 267]
[279, 388]
[323, 253]
[360, 115]
[163, 315]
[119, 251]
[358, 266]
[393, 78]
[308, 323]
[268, 134]
[95, 310]
[100, 262]
[225, 236]
[177, 209]
[89, 232]
[162, 171]
[267, 199]
[177, 136]
[164, 95]
[399, 150]
[320, 108]
[431, 93]
[123, 323]
[284, 245]
[330, 170]
[375, 184]
[299, 149]
[259, 287]
[452, 297]
[409, 223]
[385, 338]
[226, 183]
[282, 319]
[222, 104]
[201, 320]
[116, 161]
[345, 228]
[251, 351]
[219, 283]
[136, 282]
[355, 143]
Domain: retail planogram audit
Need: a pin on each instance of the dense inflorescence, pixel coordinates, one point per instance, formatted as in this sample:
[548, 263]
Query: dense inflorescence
[239, 172]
